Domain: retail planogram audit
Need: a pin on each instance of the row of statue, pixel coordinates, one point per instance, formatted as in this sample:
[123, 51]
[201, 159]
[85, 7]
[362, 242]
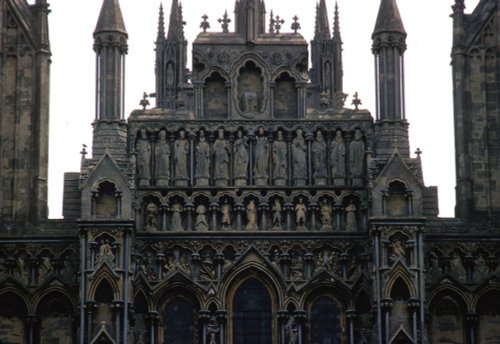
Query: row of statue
[207, 266]
[35, 270]
[251, 217]
[258, 160]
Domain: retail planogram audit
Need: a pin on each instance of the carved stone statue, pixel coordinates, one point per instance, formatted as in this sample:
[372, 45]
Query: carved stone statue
[143, 149]
[481, 269]
[226, 215]
[457, 267]
[207, 271]
[300, 213]
[212, 329]
[326, 215]
[221, 160]
[181, 150]
[177, 218]
[337, 159]
[319, 159]
[162, 159]
[251, 216]
[350, 223]
[277, 217]
[280, 160]
[202, 173]
[240, 159]
[201, 223]
[398, 251]
[151, 216]
[292, 332]
[261, 158]
[21, 272]
[105, 253]
[299, 154]
[357, 158]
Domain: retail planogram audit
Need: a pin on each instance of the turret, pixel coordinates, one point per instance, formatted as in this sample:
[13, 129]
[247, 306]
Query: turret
[389, 45]
[171, 59]
[110, 46]
[326, 55]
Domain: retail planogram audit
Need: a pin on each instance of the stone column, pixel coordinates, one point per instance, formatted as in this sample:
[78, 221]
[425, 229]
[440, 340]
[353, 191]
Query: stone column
[222, 318]
[31, 323]
[90, 307]
[117, 307]
[309, 140]
[228, 86]
[386, 305]
[153, 318]
[160, 261]
[263, 210]
[251, 143]
[214, 210]
[204, 317]
[189, 207]
[192, 137]
[471, 323]
[272, 87]
[351, 317]
[414, 306]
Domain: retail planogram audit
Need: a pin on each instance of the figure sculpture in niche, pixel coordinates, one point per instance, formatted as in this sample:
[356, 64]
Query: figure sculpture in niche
[221, 158]
[261, 158]
[177, 218]
[319, 159]
[151, 216]
[212, 329]
[201, 223]
[299, 153]
[292, 331]
[250, 102]
[105, 253]
[181, 149]
[357, 158]
[162, 159]
[398, 251]
[202, 173]
[226, 215]
[337, 159]
[251, 216]
[350, 223]
[240, 159]
[326, 215]
[277, 217]
[457, 267]
[300, 213]
[143, 149]
[280, 159]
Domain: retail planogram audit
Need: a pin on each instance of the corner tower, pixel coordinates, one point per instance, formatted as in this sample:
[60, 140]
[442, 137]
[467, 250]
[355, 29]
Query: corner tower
[24, 111]
[110, 45]
[476, 75]
[389, 46]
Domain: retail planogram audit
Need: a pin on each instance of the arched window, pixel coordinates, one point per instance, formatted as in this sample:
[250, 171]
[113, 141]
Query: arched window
[55, 312]
[488, 311]
[179, 319]
[397, 201]
[325, 321]
[252, 314]
[447, 322]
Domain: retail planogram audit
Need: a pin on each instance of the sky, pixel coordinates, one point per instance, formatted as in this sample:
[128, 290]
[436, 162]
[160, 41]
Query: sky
[429, 103]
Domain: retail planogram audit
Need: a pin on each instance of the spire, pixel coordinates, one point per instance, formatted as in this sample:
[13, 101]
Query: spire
[176, 24]
[161, 25]
[336, 24]
[389, 19]
[322, 24]
[110, 18]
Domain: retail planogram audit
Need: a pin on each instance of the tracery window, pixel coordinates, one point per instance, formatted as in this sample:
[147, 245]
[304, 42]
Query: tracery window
[252, 314]
[324, 321]
[179, 321]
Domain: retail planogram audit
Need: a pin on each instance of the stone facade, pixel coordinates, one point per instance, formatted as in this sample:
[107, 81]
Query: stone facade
[250, 205]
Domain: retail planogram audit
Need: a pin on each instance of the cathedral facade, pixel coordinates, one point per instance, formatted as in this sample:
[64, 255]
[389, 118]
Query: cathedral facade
[249, 203]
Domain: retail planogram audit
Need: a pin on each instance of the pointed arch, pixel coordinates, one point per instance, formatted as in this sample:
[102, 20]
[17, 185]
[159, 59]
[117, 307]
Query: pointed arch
[55, 309]
[402, 276]
[13, 312]
[448, 311]
[104, 279]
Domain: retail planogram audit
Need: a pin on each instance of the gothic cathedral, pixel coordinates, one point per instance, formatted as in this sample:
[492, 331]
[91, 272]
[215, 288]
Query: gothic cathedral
[251, 205]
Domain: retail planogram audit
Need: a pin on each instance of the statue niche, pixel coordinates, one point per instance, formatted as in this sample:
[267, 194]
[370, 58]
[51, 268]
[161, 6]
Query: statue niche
[250, 92]
[215, 97]
[285, 98]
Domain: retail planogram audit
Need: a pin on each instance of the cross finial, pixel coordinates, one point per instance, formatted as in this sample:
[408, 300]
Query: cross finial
[224, 21]
[356, 101]
[205, 24]
[395, 143]
[84, 150]
[295, 24]
[278, 23]
[144, 101]
[418, 152]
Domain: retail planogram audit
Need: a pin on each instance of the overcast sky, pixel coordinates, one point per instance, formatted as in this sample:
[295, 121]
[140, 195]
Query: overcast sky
[428, 72]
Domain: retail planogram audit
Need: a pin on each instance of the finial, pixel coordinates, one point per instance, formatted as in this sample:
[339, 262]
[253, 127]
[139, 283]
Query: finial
[224, 21]
[356, 101]
[418, 152]
[295, 24]
[395, 143]
[83, 152]
[205, 24]
[144, 101]
[278, 23]
[336, 23]
[272, 22]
